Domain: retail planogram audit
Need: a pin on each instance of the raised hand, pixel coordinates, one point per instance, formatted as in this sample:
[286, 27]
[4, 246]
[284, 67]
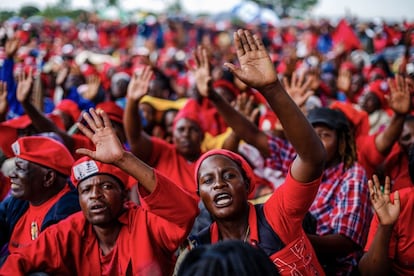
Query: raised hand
[62, 75]
[3, 98]
[24, 87]
[256, 68]
[11, 46]
[399, 99]
[138, 86]
[245, 105]
[344, 80]
[108, 147]
[93, 83]
[202, 72]
[298, 88]
[386, 211]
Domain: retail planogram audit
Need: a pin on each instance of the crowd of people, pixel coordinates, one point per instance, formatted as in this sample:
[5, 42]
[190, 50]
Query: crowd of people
[179, 147]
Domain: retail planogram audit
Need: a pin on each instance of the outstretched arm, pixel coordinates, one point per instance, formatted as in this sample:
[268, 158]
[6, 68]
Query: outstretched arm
[242, 126]
[257, 70]
[39, 120]
[399, 101]
[376, 261]
[3, 100]
[109, 149]
[139, 141]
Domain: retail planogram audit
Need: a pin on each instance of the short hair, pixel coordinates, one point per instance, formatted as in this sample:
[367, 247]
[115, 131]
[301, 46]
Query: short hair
[230, 257]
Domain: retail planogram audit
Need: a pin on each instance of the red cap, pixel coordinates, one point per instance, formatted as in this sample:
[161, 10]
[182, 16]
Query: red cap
[86, 167]
[379, 88]
[227, 85]
[44, 151]
[69, 107]
[18, 123]
[8, 136]
[233, 156]
[190, 111]
[114, 111]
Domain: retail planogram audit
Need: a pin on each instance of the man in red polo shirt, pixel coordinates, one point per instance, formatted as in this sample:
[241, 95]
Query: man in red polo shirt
[40, 194]
[110, 237]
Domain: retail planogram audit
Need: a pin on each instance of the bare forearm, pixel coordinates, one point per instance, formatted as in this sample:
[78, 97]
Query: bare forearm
[242, 127]
[138, 169]
[376, 261]
[291, 117]
[43, 124]
[386, 139]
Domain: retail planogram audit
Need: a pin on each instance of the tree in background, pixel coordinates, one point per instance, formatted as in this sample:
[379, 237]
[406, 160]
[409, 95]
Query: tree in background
[286, 8]
[27, 11]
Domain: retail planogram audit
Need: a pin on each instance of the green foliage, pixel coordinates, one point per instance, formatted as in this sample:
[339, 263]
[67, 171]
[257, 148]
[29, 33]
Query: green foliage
[288, 7]
[4, 15]
[27, 11]
[52, 12]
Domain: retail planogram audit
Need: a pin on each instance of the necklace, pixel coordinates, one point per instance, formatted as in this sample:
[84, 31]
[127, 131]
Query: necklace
[247, 233]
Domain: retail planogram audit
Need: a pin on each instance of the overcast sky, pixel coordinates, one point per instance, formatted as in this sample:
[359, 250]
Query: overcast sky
[387, 9]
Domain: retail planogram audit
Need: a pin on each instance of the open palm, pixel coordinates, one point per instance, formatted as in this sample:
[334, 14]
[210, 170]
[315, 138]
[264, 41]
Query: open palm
[386, 210]
[108, 147]
[256, 69]
[138, 86]
[24, 86]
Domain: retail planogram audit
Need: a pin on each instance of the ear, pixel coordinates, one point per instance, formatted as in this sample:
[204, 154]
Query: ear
[247, 182]
[49, 178]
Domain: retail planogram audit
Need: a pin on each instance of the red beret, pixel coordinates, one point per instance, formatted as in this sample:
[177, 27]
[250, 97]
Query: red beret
[114, 111]
[190, 111]
[233, 156]
[69, 107]
[19, 122]
[227, 85]
[86, 167]
[380, 89]
[44, 151]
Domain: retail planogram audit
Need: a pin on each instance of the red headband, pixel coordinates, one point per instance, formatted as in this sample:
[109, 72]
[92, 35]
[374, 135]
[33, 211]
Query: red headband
[233, 156]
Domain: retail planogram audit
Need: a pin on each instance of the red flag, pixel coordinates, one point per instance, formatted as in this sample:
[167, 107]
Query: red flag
[344, 34]
[393, 36]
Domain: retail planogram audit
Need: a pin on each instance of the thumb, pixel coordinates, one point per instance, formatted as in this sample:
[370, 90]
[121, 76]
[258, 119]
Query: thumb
[86, 152]
[232, 68]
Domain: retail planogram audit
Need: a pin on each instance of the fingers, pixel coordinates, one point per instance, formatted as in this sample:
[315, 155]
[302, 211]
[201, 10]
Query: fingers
[397, 198]
[387, 186]
[239, 46]
[86, 131]
[246, 42]
[251, 41]
[97, 122]
[259, 43]
[371, 189]
[231, 67]
[286, 83]
[243, 40]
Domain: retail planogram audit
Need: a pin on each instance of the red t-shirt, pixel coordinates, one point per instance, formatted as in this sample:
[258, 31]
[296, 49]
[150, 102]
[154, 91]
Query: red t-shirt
[28, 227]
[167, 160]
[284, 211]
[396, 167]
[401, 248]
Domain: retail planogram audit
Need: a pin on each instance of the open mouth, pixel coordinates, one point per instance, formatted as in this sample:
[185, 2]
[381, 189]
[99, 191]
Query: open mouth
[223, 200]
[14, 186]
[97, 208]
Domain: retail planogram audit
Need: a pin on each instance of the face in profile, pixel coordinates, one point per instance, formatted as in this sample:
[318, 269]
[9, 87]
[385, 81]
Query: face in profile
[27, 180]
[222, 186]
[406, 139]
[101, 199]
